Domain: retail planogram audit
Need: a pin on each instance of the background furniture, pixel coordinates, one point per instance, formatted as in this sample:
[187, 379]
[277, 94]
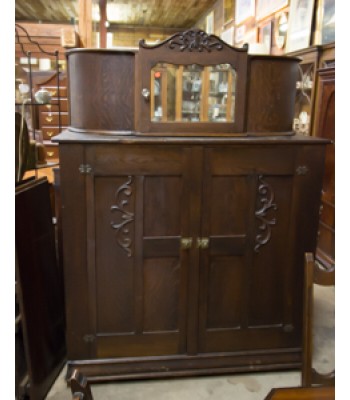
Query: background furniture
[187, 238]
[315, 104]
[53, 117]
[44, 116]
[325, 128]
[40, 317]
[314, 393]
[80, 387]
[312, 59]
[314, 274]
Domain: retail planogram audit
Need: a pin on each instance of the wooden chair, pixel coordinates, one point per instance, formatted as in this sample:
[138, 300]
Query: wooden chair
[314, 274]
[80, 387]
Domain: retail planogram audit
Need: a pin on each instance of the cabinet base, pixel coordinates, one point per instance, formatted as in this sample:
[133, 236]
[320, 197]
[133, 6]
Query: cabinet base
[184, 366]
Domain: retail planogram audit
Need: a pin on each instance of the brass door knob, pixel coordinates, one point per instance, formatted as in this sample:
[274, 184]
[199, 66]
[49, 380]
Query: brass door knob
[186, 243]
[146, 93]
[202, 243]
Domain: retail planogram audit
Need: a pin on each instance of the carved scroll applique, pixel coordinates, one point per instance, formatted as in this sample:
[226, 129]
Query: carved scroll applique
[125, 216]
[266, 199]
[195, 40]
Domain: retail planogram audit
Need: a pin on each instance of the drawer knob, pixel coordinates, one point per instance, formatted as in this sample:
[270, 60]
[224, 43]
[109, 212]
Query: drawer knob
[50, 153]
[186, 243]
[49, 134]
[53, 92]
[49, 119]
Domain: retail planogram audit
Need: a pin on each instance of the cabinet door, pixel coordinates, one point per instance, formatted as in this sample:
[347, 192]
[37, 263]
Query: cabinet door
[138, 200]
[325, 127]
[246, 270]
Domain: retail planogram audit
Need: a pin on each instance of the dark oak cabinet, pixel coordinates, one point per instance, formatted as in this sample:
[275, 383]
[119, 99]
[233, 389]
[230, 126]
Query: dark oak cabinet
[185, 219]
[187, 250]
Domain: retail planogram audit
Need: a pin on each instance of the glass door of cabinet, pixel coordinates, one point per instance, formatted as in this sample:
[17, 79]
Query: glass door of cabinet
[190, 102]
[304, 99]
[222, 89]
[193, 93]
[192, 83]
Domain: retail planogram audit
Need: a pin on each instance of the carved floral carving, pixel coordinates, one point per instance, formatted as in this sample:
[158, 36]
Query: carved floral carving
[125, 216]
[266, 200]
[195, 40]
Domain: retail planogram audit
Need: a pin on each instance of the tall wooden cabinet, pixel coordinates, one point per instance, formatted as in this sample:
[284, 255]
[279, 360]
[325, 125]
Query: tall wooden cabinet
[53, 117]
[312, 59]
[183, 252]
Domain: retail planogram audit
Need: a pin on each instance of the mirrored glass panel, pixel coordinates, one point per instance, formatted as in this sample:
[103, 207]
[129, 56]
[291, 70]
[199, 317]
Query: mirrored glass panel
[192, 93]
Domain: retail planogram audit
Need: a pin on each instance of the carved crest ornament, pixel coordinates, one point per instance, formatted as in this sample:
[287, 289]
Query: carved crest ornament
[194, 40]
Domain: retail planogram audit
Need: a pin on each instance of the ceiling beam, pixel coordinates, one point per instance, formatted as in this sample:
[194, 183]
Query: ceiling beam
[85, 23]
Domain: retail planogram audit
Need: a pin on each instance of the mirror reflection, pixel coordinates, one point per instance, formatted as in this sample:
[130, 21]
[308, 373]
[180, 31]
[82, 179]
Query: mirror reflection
[193, 93]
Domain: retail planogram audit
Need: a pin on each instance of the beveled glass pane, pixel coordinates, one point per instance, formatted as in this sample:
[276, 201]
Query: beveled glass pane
[192, 93]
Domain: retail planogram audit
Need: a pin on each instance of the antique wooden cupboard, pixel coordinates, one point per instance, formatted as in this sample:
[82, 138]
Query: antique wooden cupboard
[315, 115]
[184, 239]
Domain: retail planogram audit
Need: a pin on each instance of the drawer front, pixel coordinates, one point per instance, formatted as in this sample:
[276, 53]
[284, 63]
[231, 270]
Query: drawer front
[54, 90]
[53, 106]
[52, 119]
[50, 131]
[51, 152]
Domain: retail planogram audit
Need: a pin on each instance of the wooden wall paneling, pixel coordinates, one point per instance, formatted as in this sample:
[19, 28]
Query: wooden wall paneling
[47, 35]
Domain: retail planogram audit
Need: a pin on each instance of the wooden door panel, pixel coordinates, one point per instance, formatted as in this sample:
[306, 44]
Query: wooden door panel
[115, 248]
[138, 282]
[228, 193]
[161, 294]
[162, 206]
[225, 293]
[244, 291]
[267, 293]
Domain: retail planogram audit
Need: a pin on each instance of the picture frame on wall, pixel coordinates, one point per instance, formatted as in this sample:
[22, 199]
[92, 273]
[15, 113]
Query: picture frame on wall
[264, 8]
[244, 10]
[229, 8]
[251, 36]
[265, 35]
[228, 36]
[210, 23]
[239, 34]
[300, 24]
[325, 22]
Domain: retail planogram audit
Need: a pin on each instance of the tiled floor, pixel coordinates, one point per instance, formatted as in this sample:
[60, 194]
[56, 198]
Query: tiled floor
[254, 386]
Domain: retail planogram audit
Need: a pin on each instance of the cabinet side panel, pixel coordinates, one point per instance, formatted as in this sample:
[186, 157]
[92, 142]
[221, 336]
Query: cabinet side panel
[74, 249]
[271, 95]
[306, 199]
[101, 90]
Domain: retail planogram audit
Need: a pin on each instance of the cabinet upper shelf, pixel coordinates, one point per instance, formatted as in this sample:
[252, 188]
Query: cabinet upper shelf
[145, 92]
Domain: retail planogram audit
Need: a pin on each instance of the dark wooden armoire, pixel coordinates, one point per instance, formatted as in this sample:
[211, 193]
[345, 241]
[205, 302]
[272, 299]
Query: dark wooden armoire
[187, 206]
